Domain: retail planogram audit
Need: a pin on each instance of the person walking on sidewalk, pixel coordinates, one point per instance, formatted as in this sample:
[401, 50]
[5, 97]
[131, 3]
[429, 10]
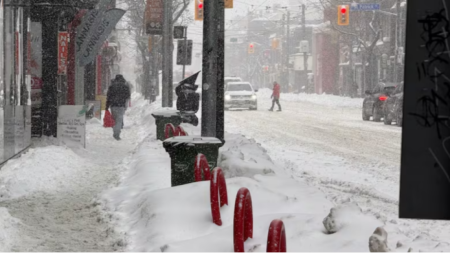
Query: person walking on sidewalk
[117, 97]
[275, 96]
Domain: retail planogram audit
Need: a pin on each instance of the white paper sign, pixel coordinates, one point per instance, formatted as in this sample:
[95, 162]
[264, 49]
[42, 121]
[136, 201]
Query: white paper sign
[72, 125]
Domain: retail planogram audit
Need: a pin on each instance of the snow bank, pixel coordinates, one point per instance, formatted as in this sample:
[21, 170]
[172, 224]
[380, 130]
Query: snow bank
[42, 169]
[323, 99]
[242, 157]
[8, 230]
[157, 217]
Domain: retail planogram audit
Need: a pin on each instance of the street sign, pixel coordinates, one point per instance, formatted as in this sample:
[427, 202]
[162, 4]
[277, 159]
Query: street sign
[184, 52]
[364, 7]
[304, 46]
[233, 40]
[154, 15]
[178, 32]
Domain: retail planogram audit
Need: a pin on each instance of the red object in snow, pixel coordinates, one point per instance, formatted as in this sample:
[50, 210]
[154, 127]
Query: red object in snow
[179, 131]
[218, 186]
[169, 131]
[276, 240]
[243, 219]
[201, 164]
[108, 120]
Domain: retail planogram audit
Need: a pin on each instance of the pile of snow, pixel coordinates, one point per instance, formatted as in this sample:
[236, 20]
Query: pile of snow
[323, 99]
[157, 217]
[8, 230]
[242, 157]
[42, 169]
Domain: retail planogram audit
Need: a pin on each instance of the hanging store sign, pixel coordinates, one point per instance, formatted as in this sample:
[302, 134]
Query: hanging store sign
[154, 17]
[107, 24]
[63, 42]
[85, 30]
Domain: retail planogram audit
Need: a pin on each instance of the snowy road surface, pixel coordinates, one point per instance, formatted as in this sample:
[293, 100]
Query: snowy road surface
[330, 146]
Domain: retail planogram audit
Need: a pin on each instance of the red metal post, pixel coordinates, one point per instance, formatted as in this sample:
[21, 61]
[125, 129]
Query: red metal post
[243, 219]
[276, 240]
[201, 164]
[218, 186]
[169, 131]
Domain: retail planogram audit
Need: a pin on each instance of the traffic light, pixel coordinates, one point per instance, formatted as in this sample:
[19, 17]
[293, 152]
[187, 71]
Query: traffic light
[199, 10]
[343, 15]
[251, 48]
[275, 43]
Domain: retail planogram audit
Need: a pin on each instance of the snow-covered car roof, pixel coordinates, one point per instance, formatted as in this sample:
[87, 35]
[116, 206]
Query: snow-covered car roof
[231, 83]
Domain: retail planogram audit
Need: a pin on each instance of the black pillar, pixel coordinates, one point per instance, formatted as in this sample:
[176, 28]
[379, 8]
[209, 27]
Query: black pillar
[49, 72]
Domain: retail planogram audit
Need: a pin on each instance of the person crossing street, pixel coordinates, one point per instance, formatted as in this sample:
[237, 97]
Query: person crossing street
[276, 96]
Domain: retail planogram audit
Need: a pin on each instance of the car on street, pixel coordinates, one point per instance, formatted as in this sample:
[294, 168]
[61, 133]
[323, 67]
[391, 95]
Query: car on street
[393, 107]
[240, 95]
[230, 79]
[373, 104]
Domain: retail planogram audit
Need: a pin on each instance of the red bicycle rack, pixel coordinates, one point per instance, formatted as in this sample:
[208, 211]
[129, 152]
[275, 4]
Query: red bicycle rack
[218, 186]
[243, 219]
[179, 131]
[276, 240]
[201, 164]
[169, 131]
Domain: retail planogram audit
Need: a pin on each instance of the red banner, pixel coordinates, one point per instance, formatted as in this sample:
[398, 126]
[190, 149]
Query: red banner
[63, 42]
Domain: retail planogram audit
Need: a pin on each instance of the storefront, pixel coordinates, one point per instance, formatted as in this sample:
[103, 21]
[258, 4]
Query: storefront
[15, 78]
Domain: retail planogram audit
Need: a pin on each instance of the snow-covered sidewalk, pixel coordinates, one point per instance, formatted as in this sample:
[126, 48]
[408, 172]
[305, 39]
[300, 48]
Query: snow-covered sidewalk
[46, 195]
[157, 217]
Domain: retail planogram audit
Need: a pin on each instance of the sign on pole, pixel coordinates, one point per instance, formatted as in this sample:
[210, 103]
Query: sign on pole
[63, 39]
[154, 17]
[178, 32]
[425, 156]
[72, 125]
[184, 52]
[364, 7]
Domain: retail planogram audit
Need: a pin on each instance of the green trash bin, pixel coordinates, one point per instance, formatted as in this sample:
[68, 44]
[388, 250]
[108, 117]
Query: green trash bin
[183, 151]
[164, 117]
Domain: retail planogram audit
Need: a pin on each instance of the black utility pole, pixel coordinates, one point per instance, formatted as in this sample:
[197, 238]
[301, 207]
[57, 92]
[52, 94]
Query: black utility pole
[167, 78]
[220, 114]
[185, 53]
[210, 66]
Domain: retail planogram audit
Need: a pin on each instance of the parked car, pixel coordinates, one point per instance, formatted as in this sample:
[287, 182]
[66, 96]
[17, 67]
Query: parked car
[374, 101]
[393, 107]
[231, 79]
[240, 95]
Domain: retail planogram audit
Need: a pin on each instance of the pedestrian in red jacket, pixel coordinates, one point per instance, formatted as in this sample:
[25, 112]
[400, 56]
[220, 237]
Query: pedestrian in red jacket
[276, 96]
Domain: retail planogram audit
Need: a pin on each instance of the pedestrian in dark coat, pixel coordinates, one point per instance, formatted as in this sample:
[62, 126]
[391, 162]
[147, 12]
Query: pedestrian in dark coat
[117, 97]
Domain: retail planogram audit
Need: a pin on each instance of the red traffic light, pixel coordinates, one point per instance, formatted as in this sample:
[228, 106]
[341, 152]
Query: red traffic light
[200, 5]
[343, 9]
[251, 45]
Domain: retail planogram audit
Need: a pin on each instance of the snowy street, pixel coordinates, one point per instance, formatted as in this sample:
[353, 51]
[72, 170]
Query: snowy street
[324, 139]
